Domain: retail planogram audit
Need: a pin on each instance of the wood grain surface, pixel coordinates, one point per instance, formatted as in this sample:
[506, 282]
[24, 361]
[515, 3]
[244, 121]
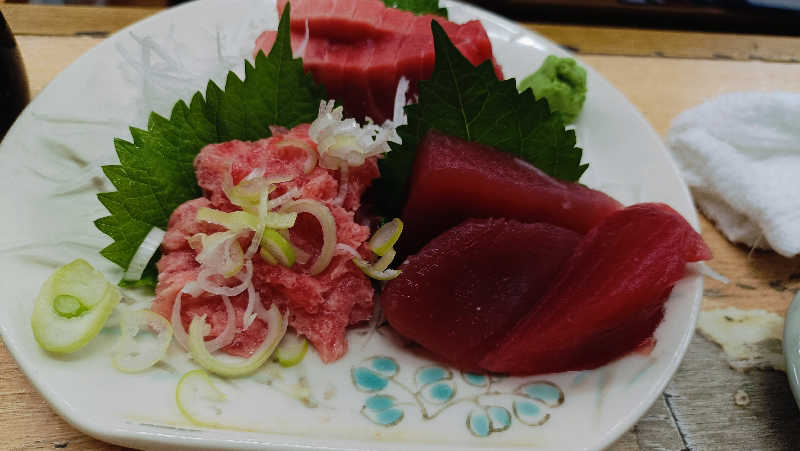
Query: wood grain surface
[662, 74]
[94, 21]
[50, 20]
[671, 44]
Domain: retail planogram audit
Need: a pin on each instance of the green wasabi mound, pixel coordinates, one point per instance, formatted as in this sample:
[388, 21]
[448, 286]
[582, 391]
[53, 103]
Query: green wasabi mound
[562, 82]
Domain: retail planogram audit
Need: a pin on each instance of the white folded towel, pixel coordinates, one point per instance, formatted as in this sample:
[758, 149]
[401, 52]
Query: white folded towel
[740, 155]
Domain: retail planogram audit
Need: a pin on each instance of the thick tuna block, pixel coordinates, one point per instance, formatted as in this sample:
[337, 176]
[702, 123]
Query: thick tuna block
[359, 50]
[455, 179]
[467, 287]
[608, 297]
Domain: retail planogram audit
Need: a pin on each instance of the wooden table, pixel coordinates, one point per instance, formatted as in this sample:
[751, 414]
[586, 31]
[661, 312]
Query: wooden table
[662, 73]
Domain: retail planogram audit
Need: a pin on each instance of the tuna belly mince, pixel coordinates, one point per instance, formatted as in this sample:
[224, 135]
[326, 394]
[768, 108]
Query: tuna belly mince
[360, 49]
[320, 306]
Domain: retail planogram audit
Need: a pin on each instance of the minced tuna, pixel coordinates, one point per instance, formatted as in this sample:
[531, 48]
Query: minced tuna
[320, 307]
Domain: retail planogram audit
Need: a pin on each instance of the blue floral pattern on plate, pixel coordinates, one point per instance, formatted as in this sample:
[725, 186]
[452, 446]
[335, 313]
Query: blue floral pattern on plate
[435, 390]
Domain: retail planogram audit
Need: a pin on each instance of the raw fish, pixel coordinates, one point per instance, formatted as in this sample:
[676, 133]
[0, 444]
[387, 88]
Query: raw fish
[608, 297]
[454, 179]
[359, 50]
[467, 287]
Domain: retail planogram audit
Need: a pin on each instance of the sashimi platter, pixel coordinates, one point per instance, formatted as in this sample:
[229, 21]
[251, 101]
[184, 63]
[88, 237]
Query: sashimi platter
[343, 224]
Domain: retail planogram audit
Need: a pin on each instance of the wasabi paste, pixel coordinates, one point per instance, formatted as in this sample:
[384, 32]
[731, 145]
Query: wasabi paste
[562, 82]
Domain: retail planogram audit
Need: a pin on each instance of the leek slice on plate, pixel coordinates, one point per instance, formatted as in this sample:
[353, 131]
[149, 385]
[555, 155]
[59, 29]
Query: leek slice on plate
[291, 350]
[72, 307]
[276, 249]
[382, 244]
[374, 271]
[276, 328]
[145, 338]
[383, 240]
[197, 398]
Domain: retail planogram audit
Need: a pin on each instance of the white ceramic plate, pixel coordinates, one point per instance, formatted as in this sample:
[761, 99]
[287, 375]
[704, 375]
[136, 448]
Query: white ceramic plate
[791, 347]
[379, 396]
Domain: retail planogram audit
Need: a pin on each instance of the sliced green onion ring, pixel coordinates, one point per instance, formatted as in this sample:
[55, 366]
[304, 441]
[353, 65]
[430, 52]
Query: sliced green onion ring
[373, 272]
[197, 398]
[248, 192]
[278, 247]
[265, 254]
[384, 261]
[328, 224]
[220, 249]
[234, 260]
[132, 355]
[235, 220]
[280, 220]
[291, 350]
[276, 325]
[144, 253]
[240, 220]
[68, 306]
[385, 237]
[261, 210]
[301, 256]
[72, 306]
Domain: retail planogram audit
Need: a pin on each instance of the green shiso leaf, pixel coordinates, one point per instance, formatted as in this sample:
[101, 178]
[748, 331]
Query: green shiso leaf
[155, 174]
[418, 6]
[149, 276]
[469, 102]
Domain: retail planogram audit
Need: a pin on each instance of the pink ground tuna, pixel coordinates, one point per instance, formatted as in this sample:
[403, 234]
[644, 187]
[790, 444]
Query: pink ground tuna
[320, 307]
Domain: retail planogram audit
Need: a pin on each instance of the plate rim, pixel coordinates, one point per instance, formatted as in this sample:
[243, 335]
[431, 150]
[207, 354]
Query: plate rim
[791, 347]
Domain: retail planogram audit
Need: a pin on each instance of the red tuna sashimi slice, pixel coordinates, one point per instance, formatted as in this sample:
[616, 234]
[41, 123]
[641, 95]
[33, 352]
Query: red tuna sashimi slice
[348, 19]
[357, 57]
[455, 179]
[343, 10]
[467, 287]
[321, 56]
[468, 32]
[410, 56]
[336, 19]
[473, 45]
[382, 73]
[608, 297]
[372, 9]
[397, 43]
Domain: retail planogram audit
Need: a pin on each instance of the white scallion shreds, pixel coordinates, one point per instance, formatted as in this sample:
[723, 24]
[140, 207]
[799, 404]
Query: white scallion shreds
[399, 117]
[344, 184]
[253, 298]
[226, 337]
[326, 220]
[301, 50]
[143, 255]
[345, 141]
[291, 194]
[349, 250]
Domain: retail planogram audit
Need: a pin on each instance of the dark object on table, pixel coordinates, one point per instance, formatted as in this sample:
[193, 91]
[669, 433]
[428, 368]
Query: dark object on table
[14, 94]
[738, 16]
